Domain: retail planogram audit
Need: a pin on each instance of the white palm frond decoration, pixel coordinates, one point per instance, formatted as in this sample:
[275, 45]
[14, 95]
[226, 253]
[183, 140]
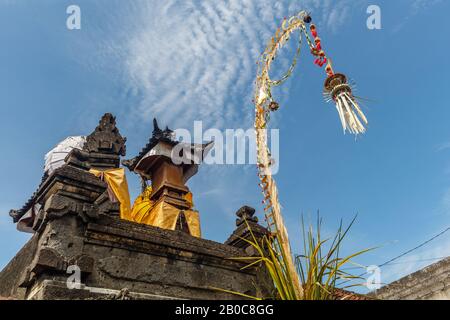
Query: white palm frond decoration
[352, 118]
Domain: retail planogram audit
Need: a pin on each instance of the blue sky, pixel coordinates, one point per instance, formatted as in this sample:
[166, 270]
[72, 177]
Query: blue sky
[189, 60]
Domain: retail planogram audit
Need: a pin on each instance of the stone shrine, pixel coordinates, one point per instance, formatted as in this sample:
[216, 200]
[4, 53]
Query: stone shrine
[82, 249]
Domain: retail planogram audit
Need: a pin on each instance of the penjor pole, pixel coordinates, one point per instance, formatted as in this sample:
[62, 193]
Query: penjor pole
[336, 89]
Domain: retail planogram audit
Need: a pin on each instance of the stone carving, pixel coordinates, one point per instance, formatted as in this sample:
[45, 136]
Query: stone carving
[246, 213]
[162, 134]
[123, 294]
[102, 150]
[106, 138]
[57, 206]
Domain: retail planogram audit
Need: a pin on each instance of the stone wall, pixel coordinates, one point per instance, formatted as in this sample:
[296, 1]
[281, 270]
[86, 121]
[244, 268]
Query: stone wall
[430, 283]
[13, 273]
[115, 255]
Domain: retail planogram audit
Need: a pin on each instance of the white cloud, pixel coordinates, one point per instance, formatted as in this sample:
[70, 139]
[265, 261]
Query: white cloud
[430, 254]
[195, 60]
[415, 8]
[443, 146]
[8, 2]
[418, 5]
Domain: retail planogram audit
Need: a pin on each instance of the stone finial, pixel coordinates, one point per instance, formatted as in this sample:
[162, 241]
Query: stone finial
[162, 134]
[250, 230]
[246, 213]
[106, 138]
[156, 129]
[158, 135]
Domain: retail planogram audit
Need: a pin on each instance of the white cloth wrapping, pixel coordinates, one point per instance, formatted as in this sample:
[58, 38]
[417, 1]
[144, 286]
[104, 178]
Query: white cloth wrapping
[25, 223]
[55, 157]
[53, 160]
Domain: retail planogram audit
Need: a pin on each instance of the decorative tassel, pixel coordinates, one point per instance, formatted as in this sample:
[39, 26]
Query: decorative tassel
[336, 88]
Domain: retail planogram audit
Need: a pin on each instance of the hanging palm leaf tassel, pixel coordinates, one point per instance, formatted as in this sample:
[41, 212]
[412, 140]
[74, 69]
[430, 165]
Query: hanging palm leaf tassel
[337, 89]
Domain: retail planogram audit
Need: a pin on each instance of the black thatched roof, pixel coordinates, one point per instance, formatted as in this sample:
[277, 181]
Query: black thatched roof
[158, 135]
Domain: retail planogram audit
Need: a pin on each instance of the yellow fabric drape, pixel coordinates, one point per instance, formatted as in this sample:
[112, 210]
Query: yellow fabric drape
[118, 185]
[162, 214]
[142, 206]
[146, 211]
[193, 221]
[188, 198]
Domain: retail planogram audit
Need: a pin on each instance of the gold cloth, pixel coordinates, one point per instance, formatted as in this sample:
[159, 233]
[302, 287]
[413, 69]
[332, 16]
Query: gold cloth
[162, 214]
[117, 188]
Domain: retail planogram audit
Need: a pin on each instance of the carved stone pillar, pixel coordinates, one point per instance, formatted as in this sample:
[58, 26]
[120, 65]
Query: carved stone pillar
[246, 224]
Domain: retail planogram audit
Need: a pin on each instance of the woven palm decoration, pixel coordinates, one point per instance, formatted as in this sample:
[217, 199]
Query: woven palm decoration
[336, 89]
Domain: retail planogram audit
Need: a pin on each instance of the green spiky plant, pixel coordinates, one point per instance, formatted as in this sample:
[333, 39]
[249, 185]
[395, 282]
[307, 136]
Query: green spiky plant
[320, 267]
